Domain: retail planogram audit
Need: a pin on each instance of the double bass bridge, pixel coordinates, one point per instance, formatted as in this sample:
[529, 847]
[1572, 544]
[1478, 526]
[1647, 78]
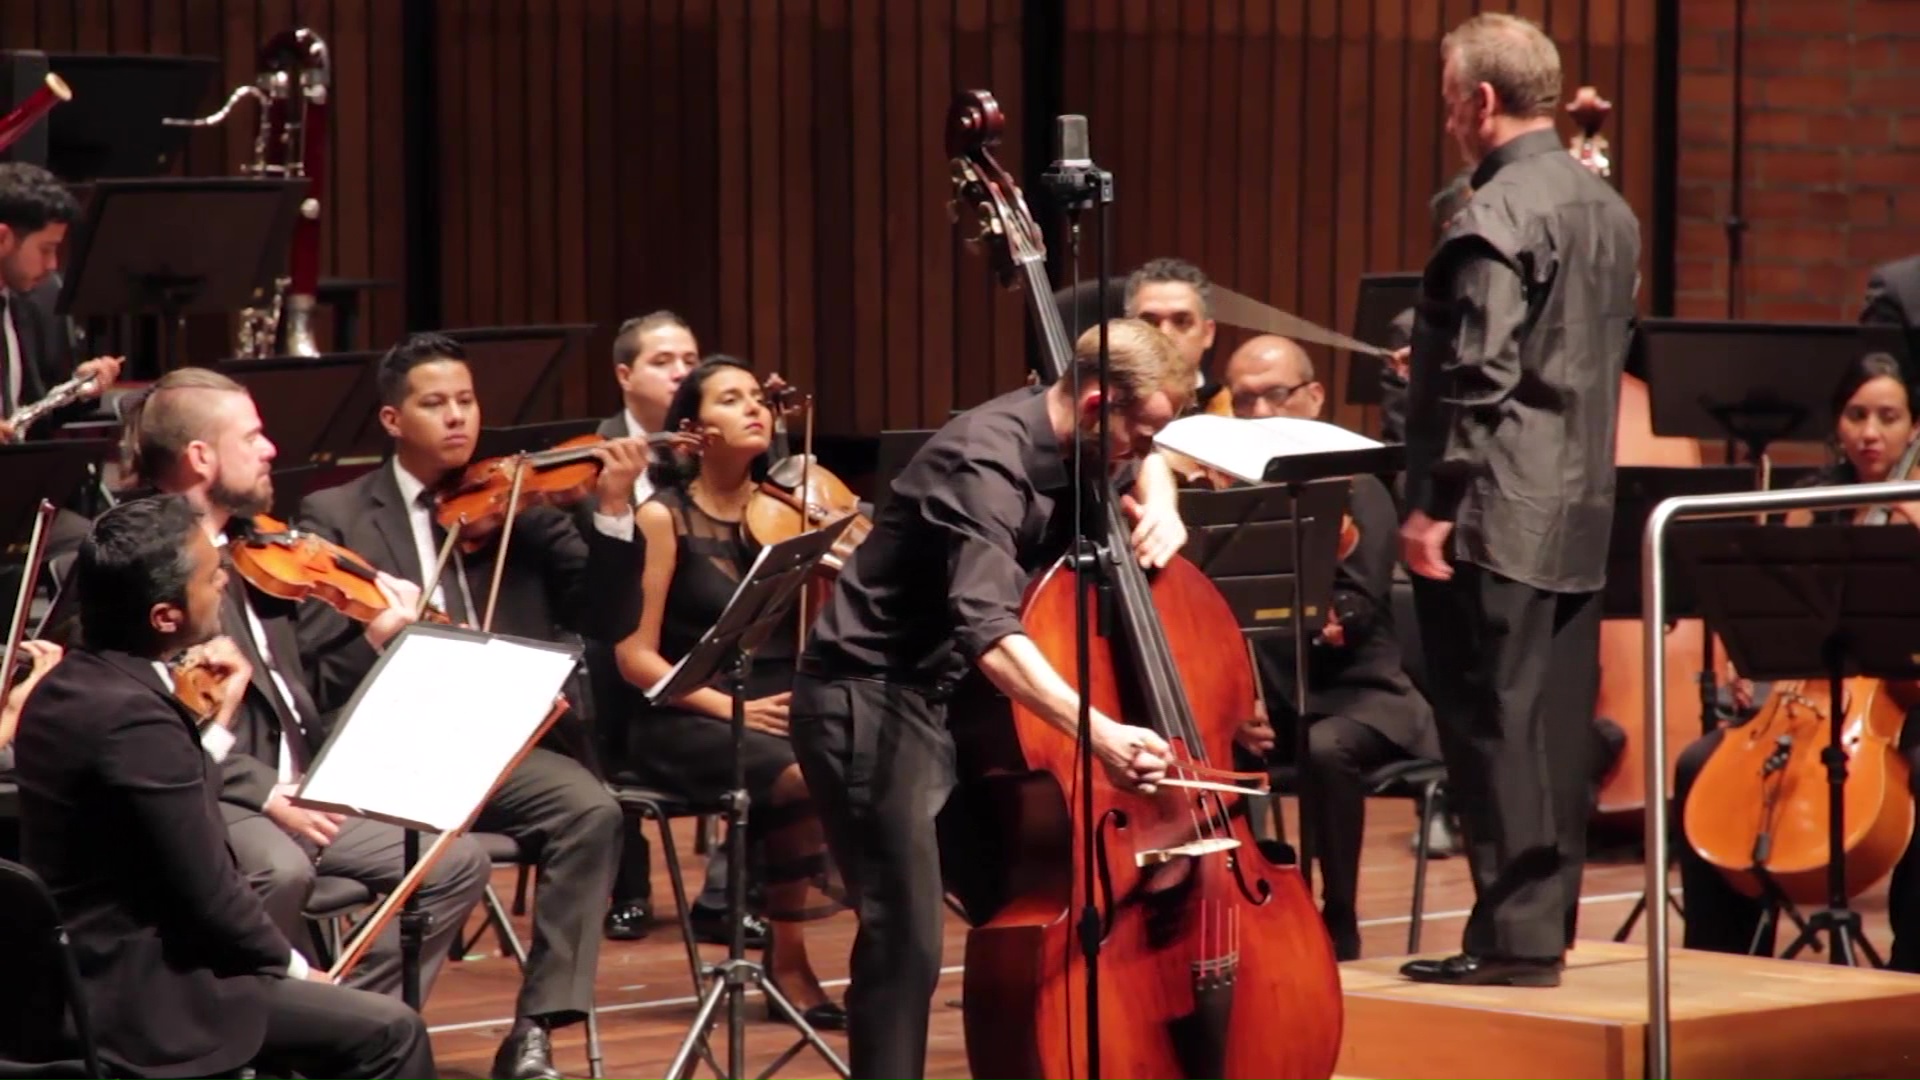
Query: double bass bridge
[1192, 849]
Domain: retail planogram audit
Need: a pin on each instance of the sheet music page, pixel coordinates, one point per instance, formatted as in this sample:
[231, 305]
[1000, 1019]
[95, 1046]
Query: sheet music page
[1242, 448]
[441, 721]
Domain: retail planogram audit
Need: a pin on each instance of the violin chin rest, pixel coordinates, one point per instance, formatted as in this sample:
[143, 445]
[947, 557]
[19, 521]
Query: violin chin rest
[786, 472]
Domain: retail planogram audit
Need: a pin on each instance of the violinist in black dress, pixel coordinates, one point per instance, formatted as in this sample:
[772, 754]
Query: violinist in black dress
[697, 550]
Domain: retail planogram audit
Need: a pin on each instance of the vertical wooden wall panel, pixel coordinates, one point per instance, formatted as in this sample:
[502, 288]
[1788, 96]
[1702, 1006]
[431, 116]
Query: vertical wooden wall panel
[1326, 169]
[776, 172]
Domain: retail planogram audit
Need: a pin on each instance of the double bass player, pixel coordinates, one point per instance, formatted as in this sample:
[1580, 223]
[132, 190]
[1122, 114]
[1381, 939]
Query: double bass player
[933, 594]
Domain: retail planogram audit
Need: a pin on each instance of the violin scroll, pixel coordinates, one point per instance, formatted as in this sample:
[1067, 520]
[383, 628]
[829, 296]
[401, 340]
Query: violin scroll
[210, 678]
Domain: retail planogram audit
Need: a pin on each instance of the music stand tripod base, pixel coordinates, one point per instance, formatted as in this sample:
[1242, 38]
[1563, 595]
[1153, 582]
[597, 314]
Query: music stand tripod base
[757, 609]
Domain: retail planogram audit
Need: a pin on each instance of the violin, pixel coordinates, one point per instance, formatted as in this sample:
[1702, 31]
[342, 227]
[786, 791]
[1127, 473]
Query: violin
[197, 685]
[293, 564]
[800, 495]
[487, 493]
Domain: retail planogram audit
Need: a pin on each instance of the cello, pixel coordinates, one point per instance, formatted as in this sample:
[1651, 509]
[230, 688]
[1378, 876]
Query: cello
[1213, 961]
[1762, 795]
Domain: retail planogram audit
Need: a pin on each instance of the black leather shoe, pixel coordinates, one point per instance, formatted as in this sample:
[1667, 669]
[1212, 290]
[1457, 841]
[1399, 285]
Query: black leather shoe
[627, 920]
[527, 1054]
[826, 1016]
[1467, 969]
[711, 928]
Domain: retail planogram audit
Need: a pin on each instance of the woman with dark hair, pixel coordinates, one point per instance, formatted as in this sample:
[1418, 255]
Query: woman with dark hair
[697, 550]
[1873, 425]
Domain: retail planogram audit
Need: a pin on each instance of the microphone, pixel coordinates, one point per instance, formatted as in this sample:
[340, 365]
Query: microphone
[1073, 179]
[1070, 141]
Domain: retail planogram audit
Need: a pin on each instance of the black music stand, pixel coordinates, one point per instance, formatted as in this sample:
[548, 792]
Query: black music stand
[1382, 298]
[725, 652]
[300, 396]
[1753, 383]
[529, 438]
[1778, 596]
[1638, 489]
[113, 128]
[516, 369]
[148, 247]
[1272, 551]
[53, 470]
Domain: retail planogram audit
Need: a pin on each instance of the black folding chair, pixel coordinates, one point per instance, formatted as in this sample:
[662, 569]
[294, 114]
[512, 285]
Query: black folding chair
[44, 1030]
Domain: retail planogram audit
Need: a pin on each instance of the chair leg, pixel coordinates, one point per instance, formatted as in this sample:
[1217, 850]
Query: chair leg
[596, 1062]
[671, 855]
[1429, 799]
[503, 927]
[520, 890]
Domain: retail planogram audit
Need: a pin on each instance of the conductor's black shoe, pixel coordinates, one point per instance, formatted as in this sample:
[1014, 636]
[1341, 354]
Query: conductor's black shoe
[627, 920]
[527, 1054]
[1467, 969]
[711, 927]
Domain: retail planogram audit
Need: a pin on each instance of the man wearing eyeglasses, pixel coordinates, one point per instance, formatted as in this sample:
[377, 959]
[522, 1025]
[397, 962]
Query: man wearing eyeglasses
[1362, 710]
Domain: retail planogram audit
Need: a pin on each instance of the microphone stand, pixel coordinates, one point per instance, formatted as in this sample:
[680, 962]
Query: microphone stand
[1077, 184]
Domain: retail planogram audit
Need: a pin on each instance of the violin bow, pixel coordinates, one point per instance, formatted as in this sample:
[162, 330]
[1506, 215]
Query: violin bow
[29, 578]
[806, 519]
[440, 569]
[506, 538]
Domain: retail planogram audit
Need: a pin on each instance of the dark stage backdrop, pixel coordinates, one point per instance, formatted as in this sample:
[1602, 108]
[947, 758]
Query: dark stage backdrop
[775, 169]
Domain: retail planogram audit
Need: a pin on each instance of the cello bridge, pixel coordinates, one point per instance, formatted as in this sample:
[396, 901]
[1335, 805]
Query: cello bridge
[1191, 849]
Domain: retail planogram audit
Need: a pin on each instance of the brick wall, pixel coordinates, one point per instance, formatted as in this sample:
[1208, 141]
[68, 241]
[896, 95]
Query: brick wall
[1832, 153]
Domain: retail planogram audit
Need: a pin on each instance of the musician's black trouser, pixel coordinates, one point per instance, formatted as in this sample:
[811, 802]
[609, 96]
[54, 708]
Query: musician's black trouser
[1720, 919]
[879, 764]
[1514, 674]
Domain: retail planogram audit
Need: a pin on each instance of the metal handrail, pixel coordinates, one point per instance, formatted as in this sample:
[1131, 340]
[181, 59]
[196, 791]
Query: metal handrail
[1653, 597]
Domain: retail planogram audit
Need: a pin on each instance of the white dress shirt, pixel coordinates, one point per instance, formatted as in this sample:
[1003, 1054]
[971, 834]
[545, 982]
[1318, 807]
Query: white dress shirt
[642, 484]
[420, 521]
[13, 358]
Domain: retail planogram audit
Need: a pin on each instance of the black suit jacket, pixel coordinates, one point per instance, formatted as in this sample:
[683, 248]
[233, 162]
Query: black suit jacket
[246, 778]
[119, 814]
[1893, 299]
[46, 358]
[1365, 679]
[556, 581]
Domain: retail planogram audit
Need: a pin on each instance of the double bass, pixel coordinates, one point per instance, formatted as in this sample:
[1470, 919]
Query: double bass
[1213, 961]
[1623, 671]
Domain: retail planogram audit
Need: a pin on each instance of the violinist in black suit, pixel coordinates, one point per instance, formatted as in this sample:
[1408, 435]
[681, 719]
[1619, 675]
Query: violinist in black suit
[1363, 710]
[197, 433]
[652, 355]
[555, 580]
[1893, 299]
[183, 972]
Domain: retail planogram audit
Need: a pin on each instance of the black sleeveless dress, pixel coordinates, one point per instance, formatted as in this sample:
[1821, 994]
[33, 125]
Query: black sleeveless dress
[690, 754]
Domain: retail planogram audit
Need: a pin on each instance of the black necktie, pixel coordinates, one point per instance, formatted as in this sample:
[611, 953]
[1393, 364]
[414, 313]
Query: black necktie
[7, 404]
[451, 595]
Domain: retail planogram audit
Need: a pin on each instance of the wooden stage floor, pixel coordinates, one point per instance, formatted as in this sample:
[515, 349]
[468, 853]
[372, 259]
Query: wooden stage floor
[647, 1003]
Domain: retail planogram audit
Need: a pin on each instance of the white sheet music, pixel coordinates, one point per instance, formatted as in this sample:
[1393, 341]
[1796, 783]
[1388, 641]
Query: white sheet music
[441, 720]
[1242, 448]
